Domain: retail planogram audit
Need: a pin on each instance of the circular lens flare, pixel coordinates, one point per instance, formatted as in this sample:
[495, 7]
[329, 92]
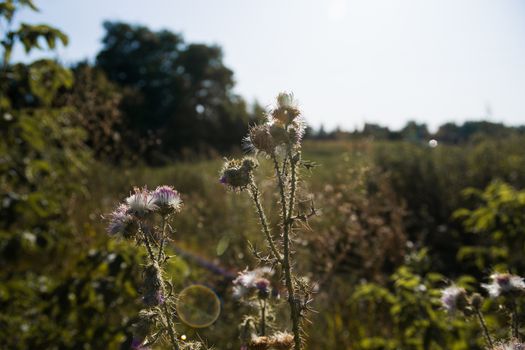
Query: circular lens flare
[198, 306]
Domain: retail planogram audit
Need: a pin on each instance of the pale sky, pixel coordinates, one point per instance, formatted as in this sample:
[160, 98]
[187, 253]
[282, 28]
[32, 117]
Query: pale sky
[347, 61]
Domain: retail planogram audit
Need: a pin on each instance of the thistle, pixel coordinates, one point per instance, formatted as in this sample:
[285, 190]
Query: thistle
[279, 139]
[143, 218]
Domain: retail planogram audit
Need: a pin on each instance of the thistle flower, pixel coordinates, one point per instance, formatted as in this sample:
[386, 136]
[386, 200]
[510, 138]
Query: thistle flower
[236, 174]
[263, 287]
[250, 281]
[141, 203]
[167, 199]
[454, 298]
[504, 284]
[120, 221]
[286, 111]
[282, 341]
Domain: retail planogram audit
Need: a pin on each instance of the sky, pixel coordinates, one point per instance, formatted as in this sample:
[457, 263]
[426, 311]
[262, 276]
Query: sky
[347, 61]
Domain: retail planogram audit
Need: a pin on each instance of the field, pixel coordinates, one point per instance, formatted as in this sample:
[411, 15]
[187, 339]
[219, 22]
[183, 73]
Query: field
[379, 236]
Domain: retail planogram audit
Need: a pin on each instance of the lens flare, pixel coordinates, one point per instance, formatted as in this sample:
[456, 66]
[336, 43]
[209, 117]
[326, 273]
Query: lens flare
[198, 306]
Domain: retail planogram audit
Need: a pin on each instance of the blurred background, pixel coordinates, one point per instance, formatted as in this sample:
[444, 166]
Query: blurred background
[415, 115]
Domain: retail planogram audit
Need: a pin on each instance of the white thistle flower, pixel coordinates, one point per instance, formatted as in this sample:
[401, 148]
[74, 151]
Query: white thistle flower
[141, 203]
[167, 198]
[453, 298]
[504, 283]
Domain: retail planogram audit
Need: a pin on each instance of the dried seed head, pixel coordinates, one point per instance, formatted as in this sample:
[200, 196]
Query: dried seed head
[259, 343]
[282, 341]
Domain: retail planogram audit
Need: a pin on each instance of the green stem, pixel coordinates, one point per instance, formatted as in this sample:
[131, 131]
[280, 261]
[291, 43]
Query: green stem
[254, 191]
[485, 329]
[263, 316]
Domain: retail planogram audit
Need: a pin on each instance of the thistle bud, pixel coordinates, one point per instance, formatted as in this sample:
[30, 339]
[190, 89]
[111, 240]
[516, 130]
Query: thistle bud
[476, 301]
[142, 328]
[259, 343]
[260, 139]
[236, 174]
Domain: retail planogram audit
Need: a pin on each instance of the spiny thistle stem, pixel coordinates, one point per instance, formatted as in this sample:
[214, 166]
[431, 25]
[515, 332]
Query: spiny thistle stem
[256, 196]
[485, 329]
[262, 304]
[286, 224]
[167, 316]
[162, 239]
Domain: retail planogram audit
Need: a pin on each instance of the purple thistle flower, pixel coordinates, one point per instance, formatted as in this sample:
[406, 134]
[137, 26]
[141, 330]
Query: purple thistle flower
[453, 298]
[504, 283]
[248, 281]
[167, 198]
[120, 220]
[141, 203]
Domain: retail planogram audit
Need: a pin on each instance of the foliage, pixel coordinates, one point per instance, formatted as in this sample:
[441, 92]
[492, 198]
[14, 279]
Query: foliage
[179, 95]
[498, 222]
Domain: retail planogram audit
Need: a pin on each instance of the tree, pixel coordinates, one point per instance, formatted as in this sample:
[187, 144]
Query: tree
[178, 94]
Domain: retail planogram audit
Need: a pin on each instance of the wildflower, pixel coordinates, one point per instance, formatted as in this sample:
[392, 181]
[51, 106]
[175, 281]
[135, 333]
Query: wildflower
[167, 199]
[249, 281]
[237, 175]
[120, 221]
[454, 298]
[263, 287]
[282, 341]
[503, 284]
[286, 111]
[141, 203]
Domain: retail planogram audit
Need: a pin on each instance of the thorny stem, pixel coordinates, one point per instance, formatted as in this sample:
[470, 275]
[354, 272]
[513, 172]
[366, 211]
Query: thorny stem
[170, 327]
[254, 191]
[485, 328]
[263, 316]
[161, 246]
[514, 319]
[286, 250]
